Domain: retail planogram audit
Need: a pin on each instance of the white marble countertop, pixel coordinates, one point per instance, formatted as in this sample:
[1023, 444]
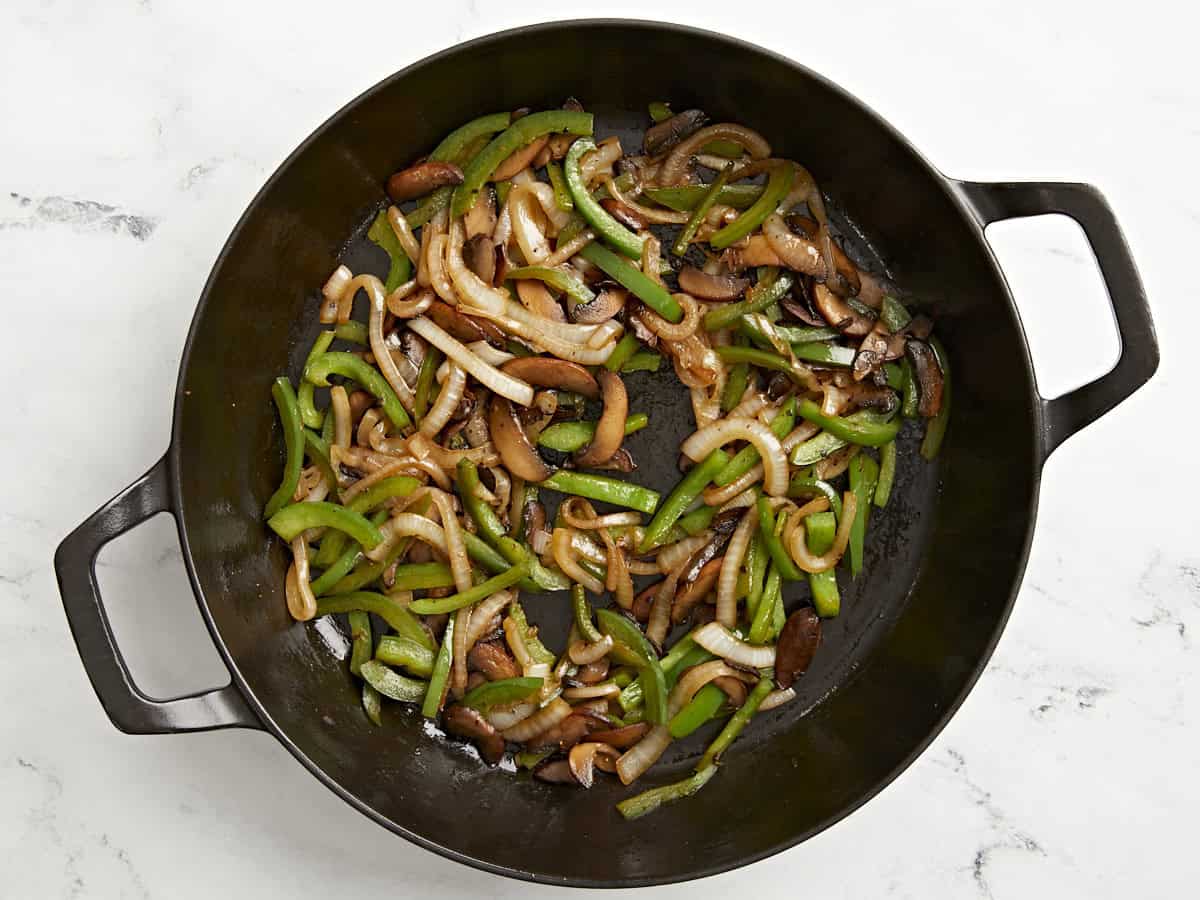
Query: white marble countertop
[137, 132]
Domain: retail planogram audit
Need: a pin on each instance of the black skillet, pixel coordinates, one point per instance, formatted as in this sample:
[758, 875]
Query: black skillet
[945, 558]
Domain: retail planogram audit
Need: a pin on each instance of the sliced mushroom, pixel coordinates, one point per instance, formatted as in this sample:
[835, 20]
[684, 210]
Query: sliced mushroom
[644, 600]
[756, 251]
[475, 679]
[536, 297]
[479, 253]
[690, 594]
[622, 738]
[876, 348]
[669, 132]
[567, 733]
[868, 395]
[920, 327]
[840, 314]
[561, 143]
[798, 643]
[481, 217]
[929, 377]
[610, 430]
[464, 722]
[520, 159]
[603, 307]
[557, 374]
[582, 760]
[711, 287]
[512, 443]
[421, 179]
[841, 262]
[467, 329]
[734, 688]
[799, 309]
[360, 402]
[593, 672]
[621, 461]
[555, 771]
[628, 217]
[493, 661]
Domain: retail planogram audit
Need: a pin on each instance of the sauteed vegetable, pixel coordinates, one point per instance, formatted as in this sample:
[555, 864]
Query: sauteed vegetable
[531, 266]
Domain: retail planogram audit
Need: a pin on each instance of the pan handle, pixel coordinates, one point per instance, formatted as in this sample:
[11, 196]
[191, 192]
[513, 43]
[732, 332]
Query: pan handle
[1065, 415]
[130, 709]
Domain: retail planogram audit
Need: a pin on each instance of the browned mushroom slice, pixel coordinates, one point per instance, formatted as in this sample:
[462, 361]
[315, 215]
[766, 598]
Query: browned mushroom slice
[464, 722]
[711, 287]
[622, 738]
[606, 304]
[755, 252]
[360, 402]
[481, 217]
[628, 217]
[840, 314]
[583, 758]
[669, 132]
[512, 443]
[876, 348]
[520, 159]
[479, 254]
[555, 771]
[929, 377]
[463, 327]
[644, 600]
[567, 733]
[867, 395]
[798, 643]
[621, 461]
[798, 309]
[734, 688]
[610, 430]
[593, 672]
[561, 143]
[536, 297]
[557, 374]
[421, 179]
[841, 262]
[695, 590]
[493, 661]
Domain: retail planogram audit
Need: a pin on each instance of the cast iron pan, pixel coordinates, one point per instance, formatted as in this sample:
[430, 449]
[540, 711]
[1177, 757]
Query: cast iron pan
[945, 558]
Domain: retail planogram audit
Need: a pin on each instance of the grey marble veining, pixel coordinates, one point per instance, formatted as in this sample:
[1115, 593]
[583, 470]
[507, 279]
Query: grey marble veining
[137, 132]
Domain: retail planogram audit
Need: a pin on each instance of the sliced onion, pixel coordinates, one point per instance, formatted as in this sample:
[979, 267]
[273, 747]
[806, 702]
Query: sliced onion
[587, 520]
[483, 614]
[491, 355]
[777, 698]
[460, 648]
[425, 450]
[447, 401]
[706, 406]
[741, 501]
[735, 554]
[570, 248]
[582, 653]
[489, 376]
[404, 525]
[657, 216]
[521, 205]
[696, 677]
[673, 556]
[503, 718]
[406, 301]
[404, 233]
[592, 691]
[339, 404]
[456, 548]
[718, 496]
[379, 347]
[642, 755]
[752, 401]
[301, 602]
[516, 643]
[717, 639]
[365, 425]
[546, 717]
[664, 329]
[544, 194]
[438, 279]
[797, 546]
[332, 294]
[674, 167]
[799, 435]
[775, 467]
[796, 252]
[564, 556]
[659, 621]
[599, 162]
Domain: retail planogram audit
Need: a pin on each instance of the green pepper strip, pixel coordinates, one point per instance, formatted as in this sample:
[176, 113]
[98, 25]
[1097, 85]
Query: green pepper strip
[747, 458]
[398, 650]
[685, 199]
[791, 334]
[648, 801]
[697, 520]
[338, 570]
[567, 437]
[318, 452]
[633, 646]
[892, 314]
[456, 147]
[735, 724]
[864, 473]
[703, 706]
[536, 649]
[387, 608]
[760, 627]
[313, 417]
[583, 615]
[540, 579]
[756, 570]
[606, 227]
[849, 429]
[392, 684]
[779, 182]
[908, 407]
[801, 486]
[327, 430]
[820, 530]
[659, 112]
[353, 367]
[680, 247]
[643, 361]
[400, 269]
[501, 693]
[439, 680]
[517, 135]
[935, 431]
[819, 446]
[735, 386]
[607, 490]
[425, 376]
[293, 440]
[559, 279]
[292, 520]
[422, 576]
[354, 332]
[360, 637]
[887, 474]
[768, 290]
[779, 555]
[562, 194]
[626, 347]
[764, 359]
[333, 545]
[684, 493]
[634, 280]
[682, 656]
[371, 704]
[427, 606]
